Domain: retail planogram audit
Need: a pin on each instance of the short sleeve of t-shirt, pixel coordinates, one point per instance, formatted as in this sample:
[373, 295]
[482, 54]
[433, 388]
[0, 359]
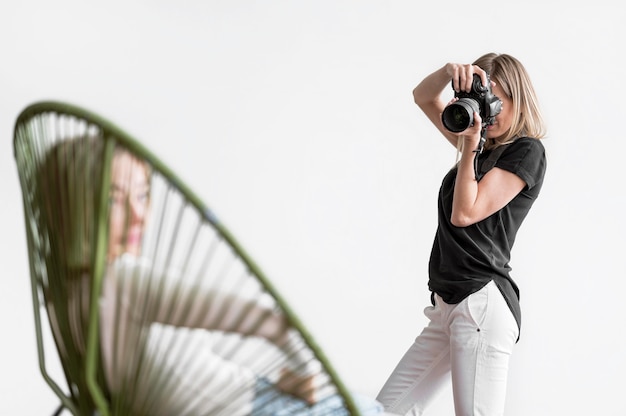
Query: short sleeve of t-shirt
[526, 158]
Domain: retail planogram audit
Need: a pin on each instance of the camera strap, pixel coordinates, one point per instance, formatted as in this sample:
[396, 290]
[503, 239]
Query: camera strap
[487, 164]
[479, 149]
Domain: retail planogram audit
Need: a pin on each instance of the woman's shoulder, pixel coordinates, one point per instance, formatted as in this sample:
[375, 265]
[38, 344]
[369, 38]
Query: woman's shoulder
[522, 148]
[525, 157]
[528, 143]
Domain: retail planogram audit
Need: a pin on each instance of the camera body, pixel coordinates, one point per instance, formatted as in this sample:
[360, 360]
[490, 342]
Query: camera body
[459, 115]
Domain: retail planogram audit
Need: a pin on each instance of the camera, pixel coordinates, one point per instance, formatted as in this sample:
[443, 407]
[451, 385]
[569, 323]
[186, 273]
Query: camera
[459, 115]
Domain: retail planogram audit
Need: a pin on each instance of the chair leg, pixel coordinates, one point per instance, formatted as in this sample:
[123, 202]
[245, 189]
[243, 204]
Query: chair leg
[59, 410]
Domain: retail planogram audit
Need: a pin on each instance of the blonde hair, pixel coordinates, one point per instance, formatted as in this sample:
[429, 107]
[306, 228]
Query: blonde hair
[69, 180]
[512, 77]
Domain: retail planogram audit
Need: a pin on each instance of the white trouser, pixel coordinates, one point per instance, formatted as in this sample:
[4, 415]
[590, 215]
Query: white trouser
[472, 341]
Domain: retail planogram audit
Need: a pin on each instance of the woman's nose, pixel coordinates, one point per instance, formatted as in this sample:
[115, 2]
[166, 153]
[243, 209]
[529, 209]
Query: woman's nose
[137, 211]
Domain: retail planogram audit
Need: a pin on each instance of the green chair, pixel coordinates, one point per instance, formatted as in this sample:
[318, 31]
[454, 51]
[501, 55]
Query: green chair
[153, 306]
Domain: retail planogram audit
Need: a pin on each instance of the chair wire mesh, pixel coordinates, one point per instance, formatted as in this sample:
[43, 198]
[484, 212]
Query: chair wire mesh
[153, 305]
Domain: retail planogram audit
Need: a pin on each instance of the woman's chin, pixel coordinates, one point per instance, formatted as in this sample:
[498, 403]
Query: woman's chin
[119, 251]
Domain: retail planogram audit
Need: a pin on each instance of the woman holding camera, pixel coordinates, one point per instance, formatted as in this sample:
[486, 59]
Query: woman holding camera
[475, 317]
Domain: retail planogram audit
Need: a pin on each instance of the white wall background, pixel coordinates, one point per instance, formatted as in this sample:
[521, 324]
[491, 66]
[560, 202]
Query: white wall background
[294, 120]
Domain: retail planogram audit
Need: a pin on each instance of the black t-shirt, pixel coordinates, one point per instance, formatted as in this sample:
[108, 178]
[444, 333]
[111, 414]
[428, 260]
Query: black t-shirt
[464, 259]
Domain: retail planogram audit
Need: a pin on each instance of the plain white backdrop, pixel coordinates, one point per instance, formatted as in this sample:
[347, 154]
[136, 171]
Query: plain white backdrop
[294, 121]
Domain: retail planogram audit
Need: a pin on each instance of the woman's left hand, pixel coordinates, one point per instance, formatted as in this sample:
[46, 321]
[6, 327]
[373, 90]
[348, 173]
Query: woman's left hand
[471, 135]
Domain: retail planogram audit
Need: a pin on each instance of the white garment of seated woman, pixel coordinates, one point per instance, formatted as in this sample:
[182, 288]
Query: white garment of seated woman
[181, 370]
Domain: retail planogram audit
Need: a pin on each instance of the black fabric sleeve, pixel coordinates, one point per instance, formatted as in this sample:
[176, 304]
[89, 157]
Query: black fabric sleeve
[526, 158]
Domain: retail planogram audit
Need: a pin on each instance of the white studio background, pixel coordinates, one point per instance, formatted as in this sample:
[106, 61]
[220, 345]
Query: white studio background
[294, 121]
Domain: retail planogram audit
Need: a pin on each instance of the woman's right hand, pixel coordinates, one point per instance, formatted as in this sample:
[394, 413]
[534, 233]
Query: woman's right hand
[429, 93]
[462, 75]
[300, 386]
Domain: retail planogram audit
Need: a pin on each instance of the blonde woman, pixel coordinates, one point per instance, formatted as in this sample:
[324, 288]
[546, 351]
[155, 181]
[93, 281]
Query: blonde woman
[136, 335]
[475, 317]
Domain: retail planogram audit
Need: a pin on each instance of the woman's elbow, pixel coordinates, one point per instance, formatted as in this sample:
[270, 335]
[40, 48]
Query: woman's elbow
[461, 221]
[419, 97]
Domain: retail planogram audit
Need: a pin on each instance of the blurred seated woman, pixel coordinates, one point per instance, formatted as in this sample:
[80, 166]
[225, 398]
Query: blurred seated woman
[162, 341]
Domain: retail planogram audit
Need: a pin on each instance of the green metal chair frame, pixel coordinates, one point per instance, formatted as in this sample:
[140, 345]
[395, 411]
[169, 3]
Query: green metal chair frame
[36, 129]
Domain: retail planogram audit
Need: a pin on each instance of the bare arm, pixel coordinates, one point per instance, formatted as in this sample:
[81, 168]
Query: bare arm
[148, 296]
[474, 201]
[220, 311]
[230, 313]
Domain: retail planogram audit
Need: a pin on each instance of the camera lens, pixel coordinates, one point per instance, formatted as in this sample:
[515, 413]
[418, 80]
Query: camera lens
[459, 115]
